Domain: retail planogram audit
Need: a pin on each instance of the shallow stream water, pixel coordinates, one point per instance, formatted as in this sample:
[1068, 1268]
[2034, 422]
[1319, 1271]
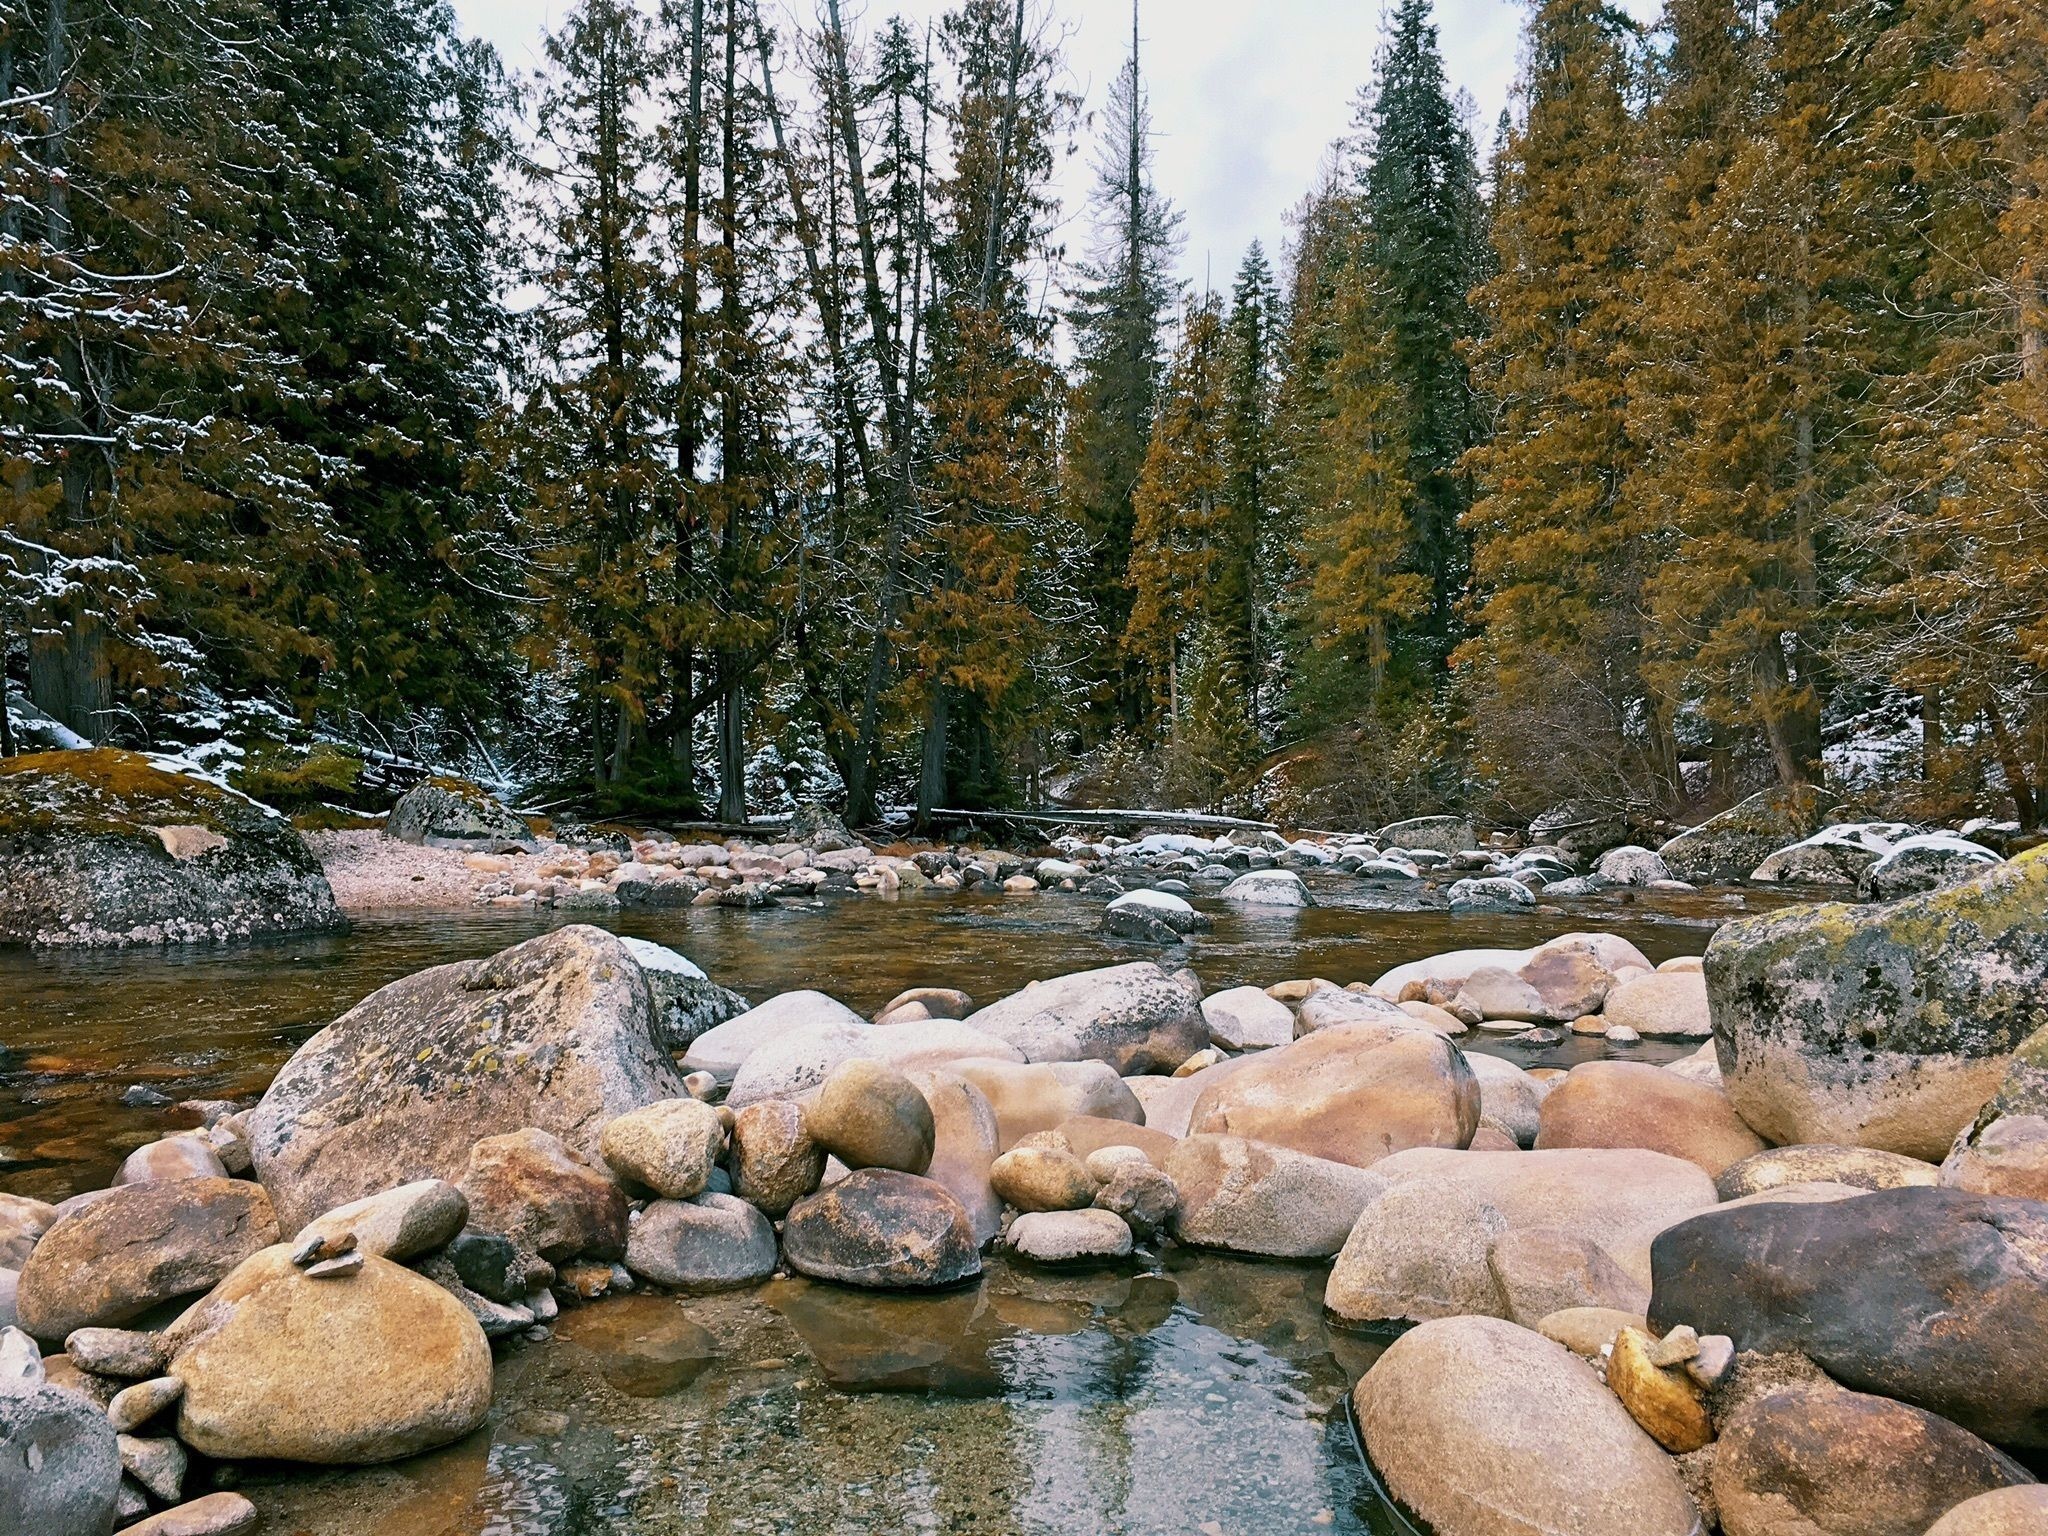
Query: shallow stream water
[1190, 1393]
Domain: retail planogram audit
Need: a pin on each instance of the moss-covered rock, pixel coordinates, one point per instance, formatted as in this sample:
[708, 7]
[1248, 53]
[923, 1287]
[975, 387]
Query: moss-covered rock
[106, 847]
[1730, 845]
[1882, 1026]
[446, 812]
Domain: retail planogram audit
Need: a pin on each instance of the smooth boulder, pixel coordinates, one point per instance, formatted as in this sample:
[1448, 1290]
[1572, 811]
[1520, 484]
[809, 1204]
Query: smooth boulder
[136, 1247]
[1353, 1093]
[708, 1243]
[1420, 1249]
[1859, 1166]
[869, 1115]
[670, 1147]
[1931, 1296]
[882, 1229]
[360, 1368]
[1248, 1197]
[1484, 1428]
[775, 1159]
[558, 1034]
[60, 1469]
[1886, 1026]
[2020, 1511]
[1818, 1461]
[1138, 1018]
[1730, 845]
[1038, 1096]
[1633, 1104]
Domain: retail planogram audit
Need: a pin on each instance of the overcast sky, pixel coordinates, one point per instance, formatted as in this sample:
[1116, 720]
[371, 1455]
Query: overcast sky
[1246, 94]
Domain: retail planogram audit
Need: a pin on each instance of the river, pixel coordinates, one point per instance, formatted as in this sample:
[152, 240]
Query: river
[1194, 1394]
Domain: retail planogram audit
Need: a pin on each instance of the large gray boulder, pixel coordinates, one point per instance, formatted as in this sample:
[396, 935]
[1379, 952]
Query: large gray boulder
[558, 1034]
[107, 848]
[1484, 1428]
[1931, 1296]
[1247, 1197]
[1730, 845]
[1886, 1026]
[1927, 862]
[1138, 1018]
[687, 1002]
[454, 813]
[60, 1469]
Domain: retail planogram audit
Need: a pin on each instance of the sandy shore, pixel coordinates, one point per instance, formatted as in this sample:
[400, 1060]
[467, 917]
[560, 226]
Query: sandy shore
[374, 873]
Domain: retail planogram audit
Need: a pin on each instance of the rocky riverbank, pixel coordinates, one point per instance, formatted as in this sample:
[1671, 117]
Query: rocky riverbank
[1789, 1284]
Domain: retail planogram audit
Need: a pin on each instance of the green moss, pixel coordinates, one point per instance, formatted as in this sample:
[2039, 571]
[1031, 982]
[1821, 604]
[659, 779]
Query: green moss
[104, 793]
[290, 777]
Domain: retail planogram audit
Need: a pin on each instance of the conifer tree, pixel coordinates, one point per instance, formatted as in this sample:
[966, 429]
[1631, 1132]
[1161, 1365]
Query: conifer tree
[1118, 319]
[1252, 347]
[1190, 561]
[1553, 673]
[1423, 231]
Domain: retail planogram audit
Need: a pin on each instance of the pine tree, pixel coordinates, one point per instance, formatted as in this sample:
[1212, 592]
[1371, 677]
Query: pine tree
[157, 524]
[1552, 674]
[1423, 232]
[1190, 562]
[1956, 519]
[1359, 593]
[975, 629]
[1117, 320]
[593, 447]
[398, 323]
[1252, 344]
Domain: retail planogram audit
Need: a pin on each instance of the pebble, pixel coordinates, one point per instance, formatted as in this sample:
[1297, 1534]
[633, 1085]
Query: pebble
[314, 1245]
[123, 1352]
[335, 1268]
[217, 1514]
[134, 1406]
[157, 1464]
[1715, 1359]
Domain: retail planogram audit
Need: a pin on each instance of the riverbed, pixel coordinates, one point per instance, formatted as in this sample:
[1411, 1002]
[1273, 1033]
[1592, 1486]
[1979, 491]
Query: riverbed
[1188, 1393]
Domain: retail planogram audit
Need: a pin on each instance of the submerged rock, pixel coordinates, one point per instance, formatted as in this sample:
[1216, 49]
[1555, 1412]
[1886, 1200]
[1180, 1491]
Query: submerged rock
[1136, 1017]
[1931, 1296]
[106, 848]
[1483, 1428]
[556, 1034]
[370, 1367]
[882, 1229]
[1887, 1026]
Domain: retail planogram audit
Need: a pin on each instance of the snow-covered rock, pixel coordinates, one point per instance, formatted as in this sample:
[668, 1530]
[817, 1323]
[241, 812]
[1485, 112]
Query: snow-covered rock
[1927, 862]
[1269, 888]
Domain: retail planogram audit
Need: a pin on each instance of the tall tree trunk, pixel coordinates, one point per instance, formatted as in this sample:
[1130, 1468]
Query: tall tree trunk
[2018, 782]
[682, 744]
[732, 753]
[931, 777]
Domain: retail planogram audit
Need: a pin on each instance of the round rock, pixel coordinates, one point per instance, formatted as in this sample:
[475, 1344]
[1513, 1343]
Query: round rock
[1484, 1428]
[669, 1147]
[870, 1115]
[1070, 1237]
[884, 1229]
[775, 1160]
[1042, 1179]
[709, 1243]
